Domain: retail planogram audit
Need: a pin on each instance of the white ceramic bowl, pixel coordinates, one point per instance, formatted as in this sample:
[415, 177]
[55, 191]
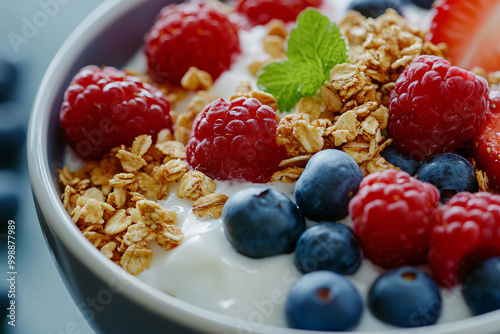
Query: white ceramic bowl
[110, 299]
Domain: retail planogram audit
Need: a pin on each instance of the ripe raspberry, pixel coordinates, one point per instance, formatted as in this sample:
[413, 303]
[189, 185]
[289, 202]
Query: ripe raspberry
[235, 140]
[466, 230]
[190, 34]
[262, 11]
[435, 107]
[105, 108]
[392, 215]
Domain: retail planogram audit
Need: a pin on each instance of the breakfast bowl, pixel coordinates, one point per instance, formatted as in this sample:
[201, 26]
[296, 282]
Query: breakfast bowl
[109, 298]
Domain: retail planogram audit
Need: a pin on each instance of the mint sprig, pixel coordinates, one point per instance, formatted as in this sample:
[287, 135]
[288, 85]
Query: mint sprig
[314, 48]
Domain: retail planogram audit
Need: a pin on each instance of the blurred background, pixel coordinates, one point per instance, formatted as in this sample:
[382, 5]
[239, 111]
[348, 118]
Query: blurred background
[31, 32]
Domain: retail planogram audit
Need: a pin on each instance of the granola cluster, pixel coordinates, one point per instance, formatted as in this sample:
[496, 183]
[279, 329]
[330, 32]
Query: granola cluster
[114, 201]
[352, 114]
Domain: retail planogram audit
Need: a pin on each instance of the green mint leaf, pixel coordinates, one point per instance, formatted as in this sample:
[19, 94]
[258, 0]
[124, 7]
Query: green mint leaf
[280, 80]
[314, 48]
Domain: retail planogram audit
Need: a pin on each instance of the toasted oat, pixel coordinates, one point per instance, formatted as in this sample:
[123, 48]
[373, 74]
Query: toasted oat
[164, 135]
[274, 45]
[277, 27]
[256, 66]
[168, 236]
[130, 162]
[69, 198]
[88, 211]
[196, 79]
[310, 106]
[194, 185]
[482, 180]
[118, 198]
[94, 193]
[209, 206]
[243, 86]
[119, 222]
[137, 258]
[153, 213]
[147, 185]
[122, 180]
[300, 161]
[172, 149]
[376, 164]
[67, 178]
[299, 135]
[94, 238]
[137, 233]
[108, 249]
[288, 175]
[141, 145]
[199, 101]
[173, 170]
[263, 97]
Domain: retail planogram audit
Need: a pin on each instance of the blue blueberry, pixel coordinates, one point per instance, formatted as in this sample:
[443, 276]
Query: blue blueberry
[9, 198]
[261, 221]
[323, 301]
[405, 297]
[12, 131]
[328, 246]
[8, 77]
[426, 4]
[327, 184]
[481, 288]
[375, 8]
[450, 173]
[400, 160]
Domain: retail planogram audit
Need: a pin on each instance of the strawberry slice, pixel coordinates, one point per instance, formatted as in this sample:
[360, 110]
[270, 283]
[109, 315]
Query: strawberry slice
[486, 145]
[470, 28]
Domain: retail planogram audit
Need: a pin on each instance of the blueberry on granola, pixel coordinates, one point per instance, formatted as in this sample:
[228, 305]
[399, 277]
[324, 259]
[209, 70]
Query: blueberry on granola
[328, 246]
[450, 173]
[404, 162]
[261, 222]
[327, 184]
[323, 301]
[375, 8]
[426, 4]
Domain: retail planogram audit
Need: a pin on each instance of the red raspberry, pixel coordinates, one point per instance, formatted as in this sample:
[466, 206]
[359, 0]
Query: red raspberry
[190, 34]
[392, 215]
[466, 230]
[262, 11]
[104, 108]
[435, 107]
[235, 140]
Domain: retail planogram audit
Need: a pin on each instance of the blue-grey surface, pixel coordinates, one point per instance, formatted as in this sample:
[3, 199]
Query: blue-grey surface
[31, 31]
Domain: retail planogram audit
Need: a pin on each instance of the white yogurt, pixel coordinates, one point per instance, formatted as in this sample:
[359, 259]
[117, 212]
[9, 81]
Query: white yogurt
[206, 271]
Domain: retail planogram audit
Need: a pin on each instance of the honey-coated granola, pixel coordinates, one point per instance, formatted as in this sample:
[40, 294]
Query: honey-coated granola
[115, 201]
[351, 113]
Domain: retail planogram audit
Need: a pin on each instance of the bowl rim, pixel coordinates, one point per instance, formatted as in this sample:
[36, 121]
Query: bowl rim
[60, 223]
